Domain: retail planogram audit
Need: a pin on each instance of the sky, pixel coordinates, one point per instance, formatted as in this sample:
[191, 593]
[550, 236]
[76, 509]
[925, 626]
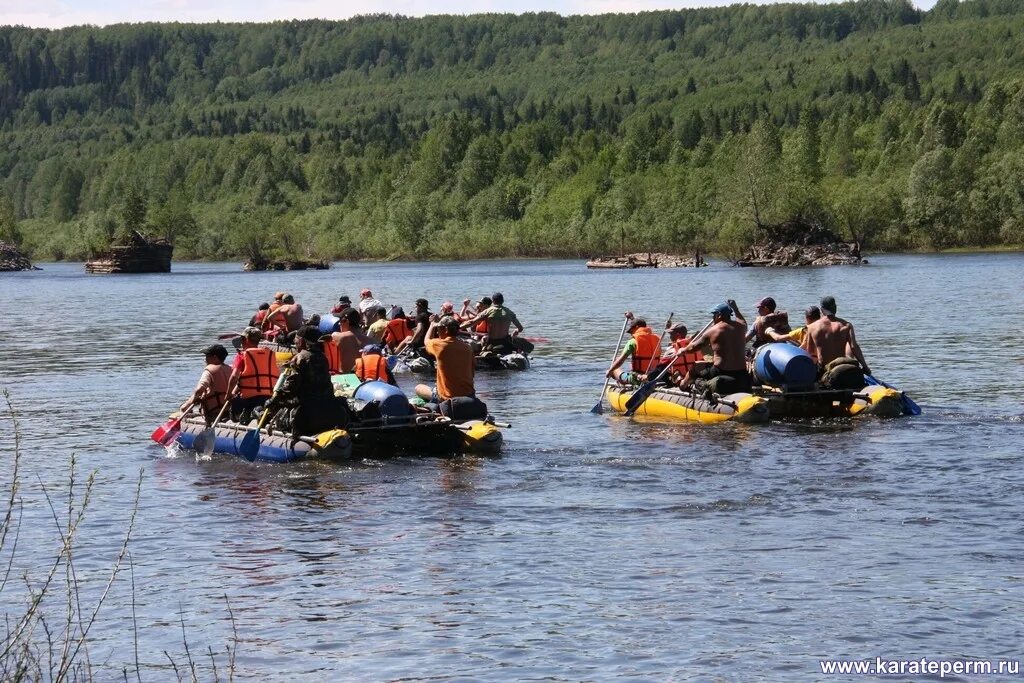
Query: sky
[59, 13]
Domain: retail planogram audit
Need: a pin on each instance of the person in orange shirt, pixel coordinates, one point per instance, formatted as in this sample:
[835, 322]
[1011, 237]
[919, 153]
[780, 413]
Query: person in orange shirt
[455, 362]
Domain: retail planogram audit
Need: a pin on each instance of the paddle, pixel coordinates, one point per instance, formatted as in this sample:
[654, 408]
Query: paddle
[536, 340]
[597, 409]
[908, 404]
[250, 445]
[204, 442]
[166, 433]
[647, 388]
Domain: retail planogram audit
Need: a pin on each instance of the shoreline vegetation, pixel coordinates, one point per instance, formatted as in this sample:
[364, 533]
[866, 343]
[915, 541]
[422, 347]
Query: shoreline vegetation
[996, 249]
[508, 136]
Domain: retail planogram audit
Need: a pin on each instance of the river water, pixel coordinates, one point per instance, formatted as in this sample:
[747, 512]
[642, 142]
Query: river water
[595, 547]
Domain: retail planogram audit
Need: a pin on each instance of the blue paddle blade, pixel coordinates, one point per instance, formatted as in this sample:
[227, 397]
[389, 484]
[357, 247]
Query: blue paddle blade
[250, 445]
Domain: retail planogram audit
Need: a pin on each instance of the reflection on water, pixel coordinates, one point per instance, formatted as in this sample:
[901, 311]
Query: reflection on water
[594, 546]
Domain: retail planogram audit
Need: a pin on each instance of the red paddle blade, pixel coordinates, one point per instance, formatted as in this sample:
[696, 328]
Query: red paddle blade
[166, 433]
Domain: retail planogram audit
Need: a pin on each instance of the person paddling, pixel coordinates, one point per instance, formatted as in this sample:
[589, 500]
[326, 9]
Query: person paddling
[307, 391]
[211, 392]
[254, 373]
[728, 345]
[644, 347]
[681, 362]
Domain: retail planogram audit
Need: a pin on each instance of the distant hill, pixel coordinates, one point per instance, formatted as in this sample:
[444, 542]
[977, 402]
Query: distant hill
[501, 135]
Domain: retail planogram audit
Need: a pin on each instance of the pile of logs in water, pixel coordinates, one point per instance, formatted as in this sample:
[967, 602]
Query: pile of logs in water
[799, 243]
[286, 264]
[141, 256]
[647, 260]
[12, 259]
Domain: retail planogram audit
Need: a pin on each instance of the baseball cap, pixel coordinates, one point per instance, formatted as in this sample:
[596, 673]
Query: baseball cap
[366, 292]
[828, 305]
[767, 302]
[678, 328]
[723, 310]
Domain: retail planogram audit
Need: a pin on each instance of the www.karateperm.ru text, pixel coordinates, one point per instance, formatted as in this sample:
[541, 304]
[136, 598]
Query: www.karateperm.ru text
[922, 666]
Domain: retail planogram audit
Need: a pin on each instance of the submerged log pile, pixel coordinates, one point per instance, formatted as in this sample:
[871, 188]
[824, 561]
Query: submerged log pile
[141, 255]
[285, 264]
[800, 243]
[11, 259]
[647, 260]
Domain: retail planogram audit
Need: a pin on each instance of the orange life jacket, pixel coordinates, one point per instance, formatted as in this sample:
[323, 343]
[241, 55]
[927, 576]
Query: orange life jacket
[372, 366]
[218, 396]
[259, 373]
[333, 353]
[481, 327]
[684, 361]
[648, 349]
[396, 331]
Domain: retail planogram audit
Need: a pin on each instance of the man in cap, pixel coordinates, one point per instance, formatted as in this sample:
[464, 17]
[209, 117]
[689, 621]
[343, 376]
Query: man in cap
[372, 365]
[728, 346]
[343, 303]
[499, 320]
[681, 362]
[644, 347]
[455, 362]
[831, 337]
[211, 393]
[254, 374]
[307, 391]
[767, 317]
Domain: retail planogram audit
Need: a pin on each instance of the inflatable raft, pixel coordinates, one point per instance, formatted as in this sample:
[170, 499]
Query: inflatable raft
[871, 400]
[679, 404]
[275, 446]
[423, 434]
[484, 361]
[786, 377]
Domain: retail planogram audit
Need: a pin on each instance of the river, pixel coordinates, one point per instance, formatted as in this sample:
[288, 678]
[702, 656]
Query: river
[594, 548]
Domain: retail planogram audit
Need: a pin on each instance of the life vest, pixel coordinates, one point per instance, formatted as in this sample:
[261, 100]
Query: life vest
[218, 396]
[259, 373]
[684, 361]
[481, 327]
[372, 366]
[648, 349]
[333, 353]
[396, 331]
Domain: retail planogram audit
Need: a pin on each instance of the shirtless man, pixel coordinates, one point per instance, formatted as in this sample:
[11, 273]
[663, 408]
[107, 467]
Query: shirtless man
[830, 337]
[350, 339]
[728, 344]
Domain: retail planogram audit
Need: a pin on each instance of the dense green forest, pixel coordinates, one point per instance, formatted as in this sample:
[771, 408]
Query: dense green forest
[501, 135]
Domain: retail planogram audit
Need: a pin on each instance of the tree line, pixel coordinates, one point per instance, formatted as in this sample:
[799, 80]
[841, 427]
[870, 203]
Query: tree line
[531, 135]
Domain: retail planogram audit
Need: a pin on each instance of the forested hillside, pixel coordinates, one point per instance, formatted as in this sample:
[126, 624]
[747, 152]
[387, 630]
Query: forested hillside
[500, 135]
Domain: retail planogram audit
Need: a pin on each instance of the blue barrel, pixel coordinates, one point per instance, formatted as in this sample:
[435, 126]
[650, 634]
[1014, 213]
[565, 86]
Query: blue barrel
[783, 365]
[393, 403]
[329, 323]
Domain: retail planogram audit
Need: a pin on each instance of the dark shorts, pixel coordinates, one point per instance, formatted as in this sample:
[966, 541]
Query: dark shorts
[742, 377]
